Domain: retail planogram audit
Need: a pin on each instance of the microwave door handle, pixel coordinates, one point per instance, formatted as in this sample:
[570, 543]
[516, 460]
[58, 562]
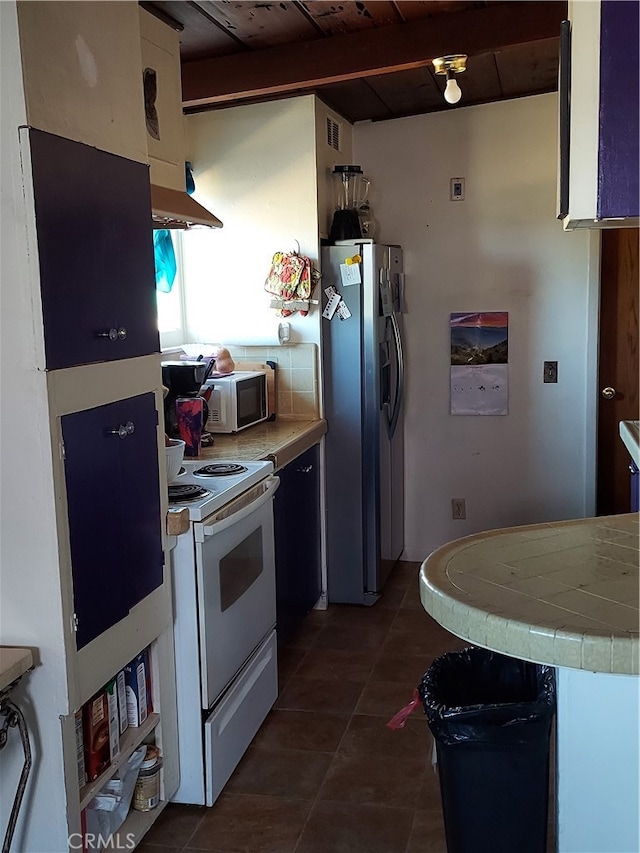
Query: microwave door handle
[219, 526]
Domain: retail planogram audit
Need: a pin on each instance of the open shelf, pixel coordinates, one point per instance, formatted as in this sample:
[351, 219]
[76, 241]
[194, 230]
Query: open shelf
[130, 741]
[135, 827]
[137, 824]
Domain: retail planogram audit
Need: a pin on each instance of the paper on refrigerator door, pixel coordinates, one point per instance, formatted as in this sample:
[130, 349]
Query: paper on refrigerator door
[334, 299]
[350, 274]
[335, 305]
[343, 312]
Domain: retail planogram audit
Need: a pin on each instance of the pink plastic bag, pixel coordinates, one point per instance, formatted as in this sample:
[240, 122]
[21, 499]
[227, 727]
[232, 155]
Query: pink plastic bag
[399, 719]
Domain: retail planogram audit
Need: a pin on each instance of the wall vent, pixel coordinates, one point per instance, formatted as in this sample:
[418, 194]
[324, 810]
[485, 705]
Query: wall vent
[334, 134]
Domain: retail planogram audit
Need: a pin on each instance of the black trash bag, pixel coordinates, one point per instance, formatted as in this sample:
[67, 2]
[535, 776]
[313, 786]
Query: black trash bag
[491, 716]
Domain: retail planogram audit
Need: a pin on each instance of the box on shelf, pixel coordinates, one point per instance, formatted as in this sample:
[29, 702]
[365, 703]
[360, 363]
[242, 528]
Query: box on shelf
[114, 724]
[147, 669]
[122, 702]
[138, 688]
[82, 773]
[95, 726]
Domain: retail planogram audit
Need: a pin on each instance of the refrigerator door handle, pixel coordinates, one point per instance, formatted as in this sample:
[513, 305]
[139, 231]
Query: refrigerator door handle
[385, 366]
[397, 403]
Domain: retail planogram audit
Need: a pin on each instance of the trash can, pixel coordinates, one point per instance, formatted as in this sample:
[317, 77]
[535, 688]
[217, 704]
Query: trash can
[491, 716]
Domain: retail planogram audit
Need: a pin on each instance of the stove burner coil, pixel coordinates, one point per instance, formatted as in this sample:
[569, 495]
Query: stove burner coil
[221, 469]
[185, 493]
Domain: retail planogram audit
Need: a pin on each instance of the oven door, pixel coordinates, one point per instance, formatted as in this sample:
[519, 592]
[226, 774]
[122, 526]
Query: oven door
[235, 570]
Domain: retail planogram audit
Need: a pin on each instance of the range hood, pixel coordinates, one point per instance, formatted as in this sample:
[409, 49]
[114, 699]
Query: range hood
[176, 209]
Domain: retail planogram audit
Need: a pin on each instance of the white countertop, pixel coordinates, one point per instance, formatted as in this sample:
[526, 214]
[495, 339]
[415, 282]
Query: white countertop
[630, 435]
[14, 662]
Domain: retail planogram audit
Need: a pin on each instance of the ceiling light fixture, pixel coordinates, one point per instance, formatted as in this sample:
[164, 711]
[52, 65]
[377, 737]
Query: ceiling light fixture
[451, 65]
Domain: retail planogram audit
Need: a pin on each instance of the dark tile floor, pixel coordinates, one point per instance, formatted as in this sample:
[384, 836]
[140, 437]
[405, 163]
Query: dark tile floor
[324, 774]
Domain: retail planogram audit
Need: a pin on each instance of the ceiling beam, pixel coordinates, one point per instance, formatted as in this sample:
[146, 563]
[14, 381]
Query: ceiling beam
[382, 50]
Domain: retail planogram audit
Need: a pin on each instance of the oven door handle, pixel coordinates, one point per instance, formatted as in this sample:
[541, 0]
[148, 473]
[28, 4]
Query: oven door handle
[241, 514]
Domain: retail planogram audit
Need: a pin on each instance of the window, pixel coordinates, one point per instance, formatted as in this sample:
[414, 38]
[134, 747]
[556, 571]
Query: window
[171, 305]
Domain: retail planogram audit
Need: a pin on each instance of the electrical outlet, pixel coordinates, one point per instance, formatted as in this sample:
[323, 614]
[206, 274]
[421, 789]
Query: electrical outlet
[458, 508]
[550, 371]
[457, 189]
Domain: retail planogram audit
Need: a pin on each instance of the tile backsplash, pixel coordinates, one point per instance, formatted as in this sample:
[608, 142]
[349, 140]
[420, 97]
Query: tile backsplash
[296, 375]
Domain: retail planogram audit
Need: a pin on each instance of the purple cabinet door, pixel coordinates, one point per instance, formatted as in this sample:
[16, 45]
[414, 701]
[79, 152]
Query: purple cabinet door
[113, 505]
[298, 582]
[139, 467]
[618, 152]
[95, 248]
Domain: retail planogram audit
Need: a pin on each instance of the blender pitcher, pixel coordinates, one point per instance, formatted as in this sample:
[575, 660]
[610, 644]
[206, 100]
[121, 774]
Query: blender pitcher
[351, 190]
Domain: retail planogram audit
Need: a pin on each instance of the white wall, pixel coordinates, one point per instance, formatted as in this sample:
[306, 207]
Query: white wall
[502, 249]
[327, 157]
[255, 168]
[30, 604]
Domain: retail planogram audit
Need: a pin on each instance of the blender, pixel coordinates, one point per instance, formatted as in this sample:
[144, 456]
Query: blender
[351, 190]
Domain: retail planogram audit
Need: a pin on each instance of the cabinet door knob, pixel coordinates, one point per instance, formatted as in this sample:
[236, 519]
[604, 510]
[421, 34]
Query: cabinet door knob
[305, 469]
[113, 334]
[608, 393]
[123, 430]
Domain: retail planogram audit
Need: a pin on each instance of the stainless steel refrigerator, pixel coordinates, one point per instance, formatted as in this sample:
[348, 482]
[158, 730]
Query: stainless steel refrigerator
[363, 375]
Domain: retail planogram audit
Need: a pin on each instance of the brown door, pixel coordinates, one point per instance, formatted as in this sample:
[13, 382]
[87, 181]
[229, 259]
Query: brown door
[618, 365]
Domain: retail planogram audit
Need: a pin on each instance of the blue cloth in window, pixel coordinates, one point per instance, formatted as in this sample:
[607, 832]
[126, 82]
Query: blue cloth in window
[188, 176]
[165, 259]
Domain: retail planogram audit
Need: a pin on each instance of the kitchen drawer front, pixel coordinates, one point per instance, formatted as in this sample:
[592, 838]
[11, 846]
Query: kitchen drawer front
[233, 724]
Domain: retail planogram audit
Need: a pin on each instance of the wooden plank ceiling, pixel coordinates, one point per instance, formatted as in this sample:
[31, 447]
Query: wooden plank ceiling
[367, 60]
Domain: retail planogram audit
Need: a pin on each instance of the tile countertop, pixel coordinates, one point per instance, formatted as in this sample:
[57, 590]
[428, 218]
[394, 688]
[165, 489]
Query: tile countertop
[279, 441]
[563, 593]
[630, 435]
[14, 662]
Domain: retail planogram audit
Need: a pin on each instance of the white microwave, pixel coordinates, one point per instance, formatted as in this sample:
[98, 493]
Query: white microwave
[237, 401]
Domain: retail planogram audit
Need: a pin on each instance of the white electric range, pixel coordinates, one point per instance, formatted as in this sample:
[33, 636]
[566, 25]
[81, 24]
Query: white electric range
[206, 486]
[223, 571]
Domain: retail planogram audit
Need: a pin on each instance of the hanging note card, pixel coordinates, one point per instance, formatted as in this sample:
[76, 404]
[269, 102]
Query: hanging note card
[343, 312]
[350, 274]
[334, 300]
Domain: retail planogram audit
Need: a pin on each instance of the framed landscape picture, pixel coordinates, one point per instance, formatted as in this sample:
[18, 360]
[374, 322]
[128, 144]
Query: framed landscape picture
[479, 363]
